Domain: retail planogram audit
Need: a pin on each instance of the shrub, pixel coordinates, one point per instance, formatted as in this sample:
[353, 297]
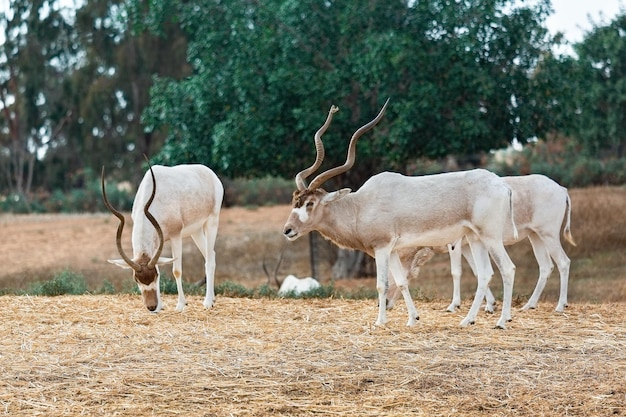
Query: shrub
[168, 286]
[267, 291]
[231, 289]
[107, 288]
[66, 282]
[564, 162]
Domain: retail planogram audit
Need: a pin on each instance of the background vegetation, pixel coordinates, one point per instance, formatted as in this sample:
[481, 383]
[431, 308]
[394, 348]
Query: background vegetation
[242, 85]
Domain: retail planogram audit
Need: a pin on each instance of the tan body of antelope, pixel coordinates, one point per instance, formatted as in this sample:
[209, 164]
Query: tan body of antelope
[391, 212]
[171, 203]
[542, 208]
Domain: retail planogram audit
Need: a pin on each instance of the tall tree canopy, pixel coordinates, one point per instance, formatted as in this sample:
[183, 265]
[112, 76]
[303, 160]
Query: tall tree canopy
[110, 89]
[459, 75]
[37, 54]
[599, 75]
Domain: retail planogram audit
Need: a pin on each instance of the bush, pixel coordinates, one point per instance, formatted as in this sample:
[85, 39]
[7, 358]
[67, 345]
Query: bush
[565, 163]
[78, 200]
[231, 289]
[66, 282]
[107, 288]
[168, 286]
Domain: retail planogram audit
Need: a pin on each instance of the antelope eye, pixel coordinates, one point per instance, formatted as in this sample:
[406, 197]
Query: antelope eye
[309, 204]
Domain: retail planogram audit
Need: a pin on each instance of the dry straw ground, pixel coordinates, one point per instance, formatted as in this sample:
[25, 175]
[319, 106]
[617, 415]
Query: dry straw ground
[106, 355]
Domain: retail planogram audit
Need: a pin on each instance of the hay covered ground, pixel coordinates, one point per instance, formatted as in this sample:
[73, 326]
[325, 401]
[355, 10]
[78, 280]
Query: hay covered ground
[107, 355]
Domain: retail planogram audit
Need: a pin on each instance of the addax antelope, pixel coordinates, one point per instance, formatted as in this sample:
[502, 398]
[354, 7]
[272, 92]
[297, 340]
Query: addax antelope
[171, 203]
[542, 209]
[391, 212]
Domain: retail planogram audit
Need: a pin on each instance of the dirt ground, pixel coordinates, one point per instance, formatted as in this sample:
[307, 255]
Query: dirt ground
[36, 246]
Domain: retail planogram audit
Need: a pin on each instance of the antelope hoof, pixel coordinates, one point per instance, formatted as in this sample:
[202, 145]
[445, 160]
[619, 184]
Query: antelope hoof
[466, 322]
[502, 323]
[452, 307]
[412, 321]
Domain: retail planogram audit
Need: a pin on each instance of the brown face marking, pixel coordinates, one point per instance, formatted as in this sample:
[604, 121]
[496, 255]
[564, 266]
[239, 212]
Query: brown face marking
[147, 274]
[299, 197]
[297, 200]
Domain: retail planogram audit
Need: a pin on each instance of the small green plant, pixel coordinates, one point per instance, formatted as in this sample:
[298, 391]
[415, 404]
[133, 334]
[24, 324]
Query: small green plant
[231, 289]
[267, 291]
[107, 288]
[65, 282]
[168, 286]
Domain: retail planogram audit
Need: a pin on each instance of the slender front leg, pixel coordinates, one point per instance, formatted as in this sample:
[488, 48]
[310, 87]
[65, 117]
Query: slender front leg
[507, 271]
[481, 259]
[490, 300]
[177, 270]
[454, 251]
[382, 283]
[398, 272]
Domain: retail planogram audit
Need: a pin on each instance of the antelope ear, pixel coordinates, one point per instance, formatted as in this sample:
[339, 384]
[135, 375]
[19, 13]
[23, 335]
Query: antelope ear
[336, 195]
[119, 262]
[165, 261]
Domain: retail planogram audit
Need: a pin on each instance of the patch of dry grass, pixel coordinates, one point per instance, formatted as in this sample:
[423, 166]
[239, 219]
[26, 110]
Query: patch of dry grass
[106, 355]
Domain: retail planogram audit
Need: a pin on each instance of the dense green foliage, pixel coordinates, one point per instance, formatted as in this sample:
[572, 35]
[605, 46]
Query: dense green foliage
[243, 85]
[459, 75]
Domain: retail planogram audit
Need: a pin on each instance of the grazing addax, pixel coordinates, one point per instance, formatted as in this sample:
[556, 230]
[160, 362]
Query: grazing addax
[171, 203]
[541, 208]
[391, 212]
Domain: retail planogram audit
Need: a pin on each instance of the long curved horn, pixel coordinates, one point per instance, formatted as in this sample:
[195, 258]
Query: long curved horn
[120, 228]
[325, 176]
[152, 220]
[319, 147]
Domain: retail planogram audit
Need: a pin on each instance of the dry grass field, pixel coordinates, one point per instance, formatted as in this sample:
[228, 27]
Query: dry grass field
[107, 355]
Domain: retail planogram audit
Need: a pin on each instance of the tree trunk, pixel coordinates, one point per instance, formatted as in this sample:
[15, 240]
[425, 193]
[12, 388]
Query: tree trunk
[348, 264]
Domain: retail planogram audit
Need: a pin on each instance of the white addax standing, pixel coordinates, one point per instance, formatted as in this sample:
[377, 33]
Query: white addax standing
[171, 203]
[391, 212]
[542, 208]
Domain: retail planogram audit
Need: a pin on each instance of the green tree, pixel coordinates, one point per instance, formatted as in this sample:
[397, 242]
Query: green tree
[459, 75]
[108, 92]
[39, 48]
[599, 119]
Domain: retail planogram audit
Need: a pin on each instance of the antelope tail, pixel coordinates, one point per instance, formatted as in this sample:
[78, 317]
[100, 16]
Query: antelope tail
[567, 233]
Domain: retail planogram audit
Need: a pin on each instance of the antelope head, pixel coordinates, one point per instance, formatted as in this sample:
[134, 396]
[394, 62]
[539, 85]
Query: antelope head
[144, 265]
[305, 213]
